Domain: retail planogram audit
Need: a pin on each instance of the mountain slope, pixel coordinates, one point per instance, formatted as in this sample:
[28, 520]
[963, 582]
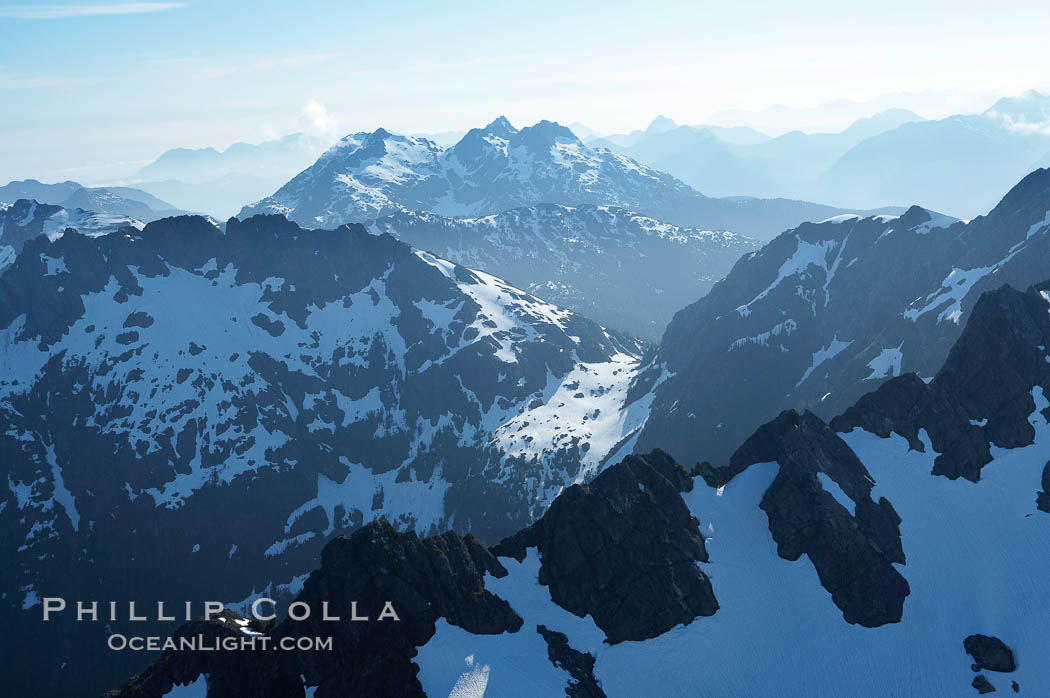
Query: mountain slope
[654, 581]
[828, 311]
[497, 168]
[24, 220]
[215, 405]
[619, 268]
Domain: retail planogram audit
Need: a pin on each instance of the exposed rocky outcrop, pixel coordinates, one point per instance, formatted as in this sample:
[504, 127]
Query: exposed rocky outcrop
[580, 665]
[230, 672]
[437, 577]
[852, 551]
[982, 394]
[1042, 498]
[989, 653]
[982, 684]
[623, 549]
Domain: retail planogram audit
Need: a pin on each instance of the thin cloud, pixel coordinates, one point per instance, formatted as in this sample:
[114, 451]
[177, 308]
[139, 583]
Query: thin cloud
[67, 11]
[318, 120]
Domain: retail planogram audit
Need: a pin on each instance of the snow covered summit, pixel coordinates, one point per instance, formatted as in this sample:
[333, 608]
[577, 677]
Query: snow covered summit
[499, 167]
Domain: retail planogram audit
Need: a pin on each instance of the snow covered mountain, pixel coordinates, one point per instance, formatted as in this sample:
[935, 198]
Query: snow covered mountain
[121, 201]
[619, 268]
[497, 168]
[24, 220]
[652, 580]
[828, 311]
[188, 412]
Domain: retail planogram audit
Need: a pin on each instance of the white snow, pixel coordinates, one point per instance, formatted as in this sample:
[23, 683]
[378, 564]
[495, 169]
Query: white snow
[197, 689]
[516, 663]
[31, 599]
[54, 265]
[422, 503]
[959, 282]
[806, 254]
[953, 290]
[62, 495]
[833, 488]
[842, 218]
[937, 220]
[887, 364]
[977, 557]
[824, 354]
[781, 328]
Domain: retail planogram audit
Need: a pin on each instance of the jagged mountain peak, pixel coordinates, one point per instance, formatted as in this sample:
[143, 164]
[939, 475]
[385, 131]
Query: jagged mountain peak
[547, 132]
[500, 126]
[497, 168]
[1034, 189]
[1029, 108]
[660, 124]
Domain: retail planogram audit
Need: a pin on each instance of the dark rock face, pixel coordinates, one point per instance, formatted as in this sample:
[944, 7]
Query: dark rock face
[983, 685]
[828, 311]
[580, 665]
[623, 549]
[230, 672]
[982, 394]
[989, 653]
[438, 577]
[852, 552]
[1042, 498]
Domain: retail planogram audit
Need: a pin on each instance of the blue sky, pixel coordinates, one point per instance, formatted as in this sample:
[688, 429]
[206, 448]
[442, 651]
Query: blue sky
[92, 90]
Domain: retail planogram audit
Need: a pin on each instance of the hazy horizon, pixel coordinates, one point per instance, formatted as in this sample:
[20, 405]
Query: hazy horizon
[103, 88]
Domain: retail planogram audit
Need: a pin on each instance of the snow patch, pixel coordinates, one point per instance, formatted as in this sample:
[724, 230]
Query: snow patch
[887, 364]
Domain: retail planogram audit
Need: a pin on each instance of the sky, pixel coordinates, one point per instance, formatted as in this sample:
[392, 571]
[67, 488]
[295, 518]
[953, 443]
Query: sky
[94, 90]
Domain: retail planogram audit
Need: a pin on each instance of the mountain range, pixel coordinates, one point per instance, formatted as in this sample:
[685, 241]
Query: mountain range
[497, 168]
[720, 162]
[614, 266]
[655, 578]
[576, 421]
[892, 156]
[118, 201]
[219, 182]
